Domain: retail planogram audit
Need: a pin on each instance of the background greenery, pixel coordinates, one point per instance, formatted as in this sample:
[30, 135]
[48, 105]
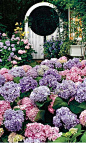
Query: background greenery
[12, 11]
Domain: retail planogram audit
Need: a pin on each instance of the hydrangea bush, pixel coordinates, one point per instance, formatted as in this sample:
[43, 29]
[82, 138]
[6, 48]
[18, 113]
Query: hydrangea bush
[45, 103]
[15, 51]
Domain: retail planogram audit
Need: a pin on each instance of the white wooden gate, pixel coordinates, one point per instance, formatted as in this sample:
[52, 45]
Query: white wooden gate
[36, 40]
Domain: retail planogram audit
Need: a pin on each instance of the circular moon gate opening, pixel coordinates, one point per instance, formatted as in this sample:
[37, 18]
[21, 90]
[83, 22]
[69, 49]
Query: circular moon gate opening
[43, 20]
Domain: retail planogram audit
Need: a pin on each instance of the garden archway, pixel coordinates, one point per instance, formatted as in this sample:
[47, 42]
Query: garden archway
[36, 39]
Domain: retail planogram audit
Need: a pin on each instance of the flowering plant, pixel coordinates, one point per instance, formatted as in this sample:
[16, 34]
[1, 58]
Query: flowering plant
[15, 51]
[52, 48]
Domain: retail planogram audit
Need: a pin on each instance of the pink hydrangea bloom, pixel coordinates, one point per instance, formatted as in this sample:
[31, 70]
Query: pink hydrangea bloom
[65, 72]
[52, 133]
[8, 77]
[21, 51]
[83, 118]
[27, 47]
[31, 111]
[42, 132]
[4, 105]
[35, 130]
[50, 109]
[83, 72]
[26, 68]
[62, 59]
[31, 114]
[4, 35]
[3, 71]
[14, 62]
[83, 62]
[25, 41]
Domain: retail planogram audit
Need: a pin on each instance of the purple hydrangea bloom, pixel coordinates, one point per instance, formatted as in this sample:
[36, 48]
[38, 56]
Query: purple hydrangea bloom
[7, 43]
[2, 80]
[9, 58]
[39, 94]
[49, 80]
[66, 89]
[64, 117]
[30, 140]
[12, 54]
[74, 62]
[48, 63]
[13, 120]
[52, 63]
[32, 73]
[17, 72]
[13, 49]
[10, 91]
[53, 72]
[27, 83]
[81, 93]
[12, 45]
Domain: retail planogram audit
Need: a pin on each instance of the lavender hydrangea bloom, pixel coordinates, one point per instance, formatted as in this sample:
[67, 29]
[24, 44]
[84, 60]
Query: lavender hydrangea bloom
[30, 140]
[39, 94]
[74, 62]
[17, 72]
[2, 80]
[32, 73]
[10, 91]
[13, 120]
[69, 64]
[12, 54]
[81, 93]
[53, 63]
[27, 83]
[7, 43]
[12, 45]
[66, 89]
[64, 117]
[49, 80]
[53, 72]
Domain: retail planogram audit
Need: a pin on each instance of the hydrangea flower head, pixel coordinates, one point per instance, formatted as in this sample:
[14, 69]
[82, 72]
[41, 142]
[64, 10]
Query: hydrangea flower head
[32, 73]
[13, 120]
[83, 118]
[17, 71]
[27, 83]
[41, 70]
[65, 89]
[26, 67]
[81, 93]
[64, 117]
[10, 91]
[53, 72]
[49, 80]
[39, 94]
[3, 71]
